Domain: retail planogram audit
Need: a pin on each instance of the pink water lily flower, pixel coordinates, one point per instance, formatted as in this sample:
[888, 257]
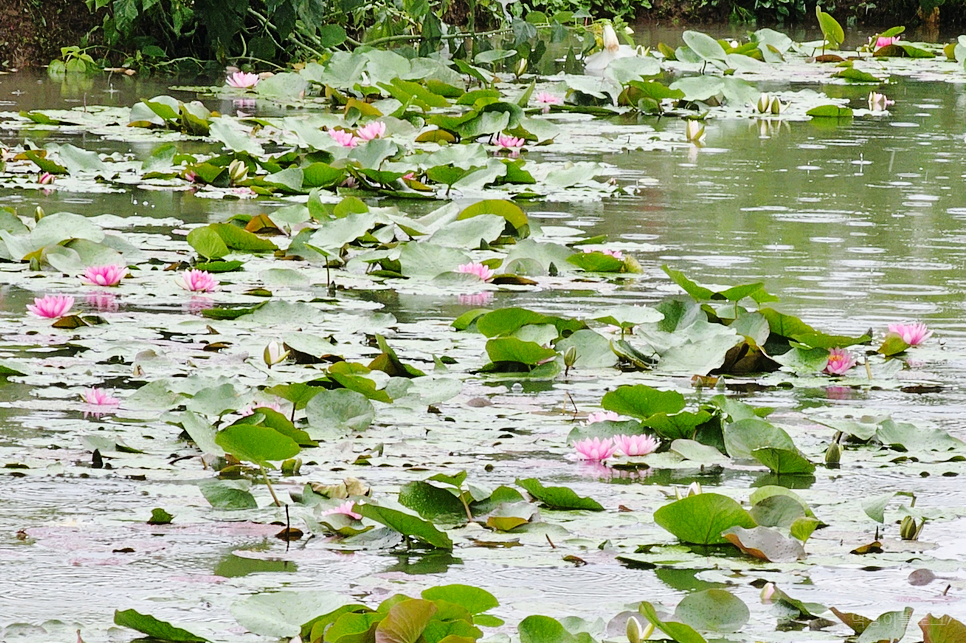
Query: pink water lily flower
[546, 98]
[242, 80]
[109, 275]
[45, 179]
[477, 269]
[508, 142]
[879, 102]
[250, 410]
[616, 254]
[51, 306]
[344, 138]
[593, 449]
[839, 361]
[912, 334]
[602, 416]
[100, 397]
[634, 445]
[375, 129]
[885, 42]
[345, 509]
[197, 281]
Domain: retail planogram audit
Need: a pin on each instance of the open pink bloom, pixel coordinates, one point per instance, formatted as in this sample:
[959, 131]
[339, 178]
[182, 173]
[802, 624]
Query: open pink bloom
[839, 361]
[375, 129]
[912, 334]
[546, 98]
[477, 269]
[508, 142]
[616, 254]
[602, 416]
[344, 138]
[242, 80]
[632, 445]
[51, 306]
[100, 397]
[250, 410]
[593, 449]
[885, 42]
[109, 275]
[45, 179]
[345, 509]
[197, 281]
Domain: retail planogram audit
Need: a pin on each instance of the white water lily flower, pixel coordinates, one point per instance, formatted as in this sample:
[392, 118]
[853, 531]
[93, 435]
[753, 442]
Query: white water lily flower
[274, 353]
[764, 103]
[694, 131]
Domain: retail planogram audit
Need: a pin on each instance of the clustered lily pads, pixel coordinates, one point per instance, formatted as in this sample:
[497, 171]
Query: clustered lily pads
[257, 363]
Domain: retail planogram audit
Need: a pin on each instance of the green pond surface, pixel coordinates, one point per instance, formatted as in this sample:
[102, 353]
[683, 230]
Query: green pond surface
[854, 225]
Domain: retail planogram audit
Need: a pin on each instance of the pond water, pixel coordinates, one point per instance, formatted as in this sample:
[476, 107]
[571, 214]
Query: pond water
[853, 225]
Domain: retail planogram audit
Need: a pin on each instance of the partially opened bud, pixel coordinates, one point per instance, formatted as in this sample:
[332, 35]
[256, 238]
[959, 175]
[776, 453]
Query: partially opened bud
[237, 171]
[833, 455]
[521, 67]
[274, 353]
[570, 357]
[634, 631]
[764, 103]
[768, 593]
[695, 131]
[908, 530]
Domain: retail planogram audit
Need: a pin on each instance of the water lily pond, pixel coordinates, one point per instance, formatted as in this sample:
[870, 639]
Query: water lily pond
[389, 350]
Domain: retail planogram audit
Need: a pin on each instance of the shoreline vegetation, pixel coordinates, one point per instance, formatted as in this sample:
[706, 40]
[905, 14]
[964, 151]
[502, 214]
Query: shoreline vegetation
[201, 36]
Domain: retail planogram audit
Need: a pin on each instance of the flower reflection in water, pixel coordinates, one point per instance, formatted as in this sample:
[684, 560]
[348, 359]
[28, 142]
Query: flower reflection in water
[102, 302]
[476, 299]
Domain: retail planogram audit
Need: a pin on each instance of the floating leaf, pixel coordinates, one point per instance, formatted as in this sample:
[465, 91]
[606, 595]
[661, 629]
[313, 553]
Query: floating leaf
[942, 629]
[258, 444]
[765, 543]
[642, 401]
[154, 628]
[783, 461]
[406, 524]
[677, 631]
[715, 610]
[887, 628]
[700, 519]
[558, 497]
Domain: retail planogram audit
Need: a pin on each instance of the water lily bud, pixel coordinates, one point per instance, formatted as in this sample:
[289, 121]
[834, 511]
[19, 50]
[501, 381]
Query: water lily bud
[776, 106]
[39, 213]
[694, 489]
[833, 455]
[520, 68]
[609, 38]
[768, 593]
[274, 353]
[291, 467]
[634, 630]
[695, 131]
[908, 530]
[764, 102]
[237, 171]
[570, 357]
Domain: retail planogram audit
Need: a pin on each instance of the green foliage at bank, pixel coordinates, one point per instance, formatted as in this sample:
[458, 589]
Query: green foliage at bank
[182, 35]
